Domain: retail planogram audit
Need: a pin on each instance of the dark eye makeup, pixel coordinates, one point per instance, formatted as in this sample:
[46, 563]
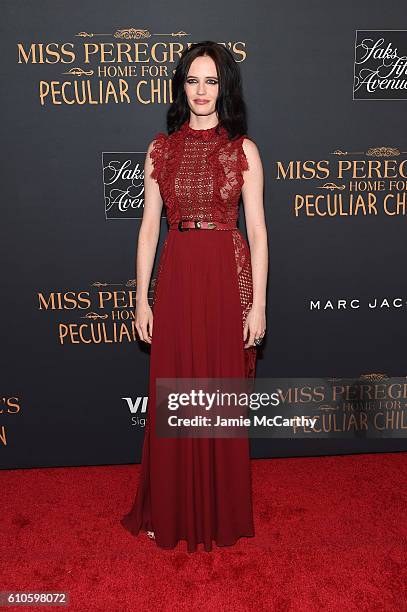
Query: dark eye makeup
[212, 80]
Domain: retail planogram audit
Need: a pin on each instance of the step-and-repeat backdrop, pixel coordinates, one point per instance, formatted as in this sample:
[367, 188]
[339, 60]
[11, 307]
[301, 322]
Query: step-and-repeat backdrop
[84, 90]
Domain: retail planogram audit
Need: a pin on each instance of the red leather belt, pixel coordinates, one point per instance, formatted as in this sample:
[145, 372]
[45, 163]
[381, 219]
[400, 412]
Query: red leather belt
[186, 225]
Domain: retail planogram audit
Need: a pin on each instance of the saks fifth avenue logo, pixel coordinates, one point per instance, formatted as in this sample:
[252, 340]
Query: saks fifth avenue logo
[380, 70]
[123, 184]
[103, 315]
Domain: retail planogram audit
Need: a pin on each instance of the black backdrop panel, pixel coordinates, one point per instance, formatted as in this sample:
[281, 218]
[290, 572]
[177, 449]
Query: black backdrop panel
[77, 117]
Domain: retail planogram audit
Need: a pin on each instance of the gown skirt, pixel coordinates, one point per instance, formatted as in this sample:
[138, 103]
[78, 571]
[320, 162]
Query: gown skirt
[195, 489]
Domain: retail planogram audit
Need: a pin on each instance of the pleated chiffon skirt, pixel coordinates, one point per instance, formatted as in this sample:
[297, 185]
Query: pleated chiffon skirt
[195, 489]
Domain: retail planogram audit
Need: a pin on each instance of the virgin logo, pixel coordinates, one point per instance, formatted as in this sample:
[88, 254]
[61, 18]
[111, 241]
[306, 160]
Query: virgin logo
[137, 405]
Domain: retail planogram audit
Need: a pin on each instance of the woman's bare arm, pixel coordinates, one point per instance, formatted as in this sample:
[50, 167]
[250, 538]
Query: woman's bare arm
[253, 202]
[146, 248]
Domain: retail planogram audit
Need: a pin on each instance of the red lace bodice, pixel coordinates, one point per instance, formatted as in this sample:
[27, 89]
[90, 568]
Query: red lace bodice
[199, 173]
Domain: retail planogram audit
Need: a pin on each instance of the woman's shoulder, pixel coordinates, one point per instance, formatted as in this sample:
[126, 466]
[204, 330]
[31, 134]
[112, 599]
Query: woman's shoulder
[250, 151]
[164, 142]
[159, 139]
[157, 145]
[244, 140]
[249, 145]
[248, 141]
[156, 151]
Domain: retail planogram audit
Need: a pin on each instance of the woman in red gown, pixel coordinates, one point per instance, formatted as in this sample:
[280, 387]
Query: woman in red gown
[209, 299]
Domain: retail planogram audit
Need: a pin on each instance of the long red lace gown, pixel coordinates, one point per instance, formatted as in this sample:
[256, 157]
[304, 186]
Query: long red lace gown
[198, 489]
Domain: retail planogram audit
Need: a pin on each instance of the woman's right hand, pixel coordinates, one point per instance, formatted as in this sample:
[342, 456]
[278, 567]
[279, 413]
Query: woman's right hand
[144, 322]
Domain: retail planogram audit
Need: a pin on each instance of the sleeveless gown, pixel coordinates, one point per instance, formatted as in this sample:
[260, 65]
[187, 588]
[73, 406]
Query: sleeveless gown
[198, 489]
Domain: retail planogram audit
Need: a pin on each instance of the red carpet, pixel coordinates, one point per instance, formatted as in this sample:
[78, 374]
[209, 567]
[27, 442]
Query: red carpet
[330, 535]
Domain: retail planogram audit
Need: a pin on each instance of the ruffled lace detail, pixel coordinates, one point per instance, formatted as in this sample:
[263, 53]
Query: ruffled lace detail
[166, 155]
[242, 161]
[199, 173]
[157, 155]
[234, 162]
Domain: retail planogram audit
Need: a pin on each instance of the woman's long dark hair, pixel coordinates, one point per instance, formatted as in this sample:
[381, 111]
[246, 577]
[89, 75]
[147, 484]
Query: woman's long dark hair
[230, 106]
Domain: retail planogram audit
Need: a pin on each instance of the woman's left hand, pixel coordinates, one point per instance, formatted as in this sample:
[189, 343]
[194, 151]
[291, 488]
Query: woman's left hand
[255, 325]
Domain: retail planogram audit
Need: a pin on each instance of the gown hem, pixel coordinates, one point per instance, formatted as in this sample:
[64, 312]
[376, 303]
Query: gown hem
[135, 532]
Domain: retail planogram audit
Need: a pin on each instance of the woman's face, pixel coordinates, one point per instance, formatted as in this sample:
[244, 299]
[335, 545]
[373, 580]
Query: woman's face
[202, 86]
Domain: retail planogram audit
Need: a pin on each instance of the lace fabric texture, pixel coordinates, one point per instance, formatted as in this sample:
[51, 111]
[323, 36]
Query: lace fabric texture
[200, 176]
[245, 281]
[199, 173]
